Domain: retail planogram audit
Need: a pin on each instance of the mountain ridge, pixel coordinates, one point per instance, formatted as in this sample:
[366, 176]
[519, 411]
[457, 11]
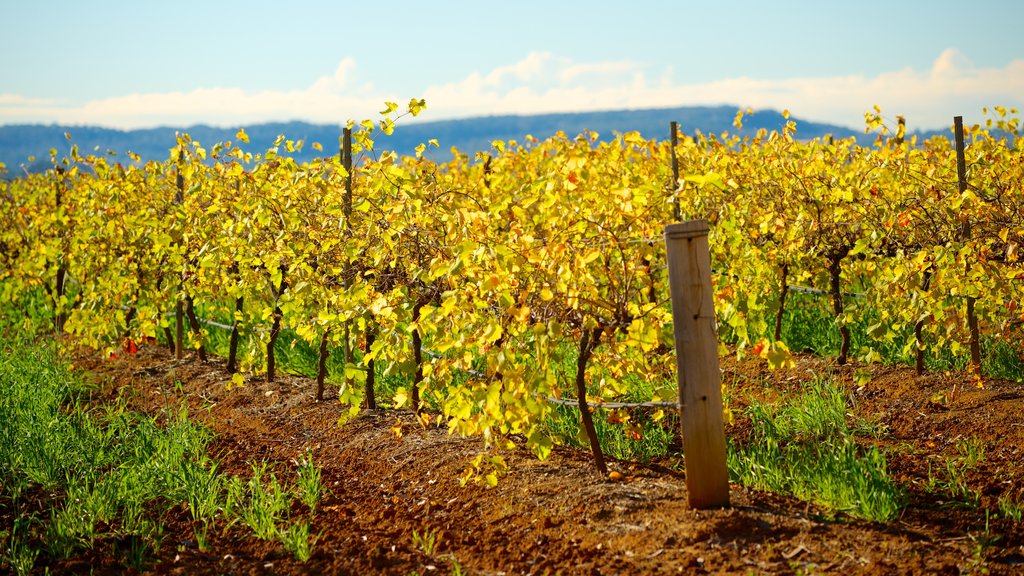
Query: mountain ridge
[18, 142]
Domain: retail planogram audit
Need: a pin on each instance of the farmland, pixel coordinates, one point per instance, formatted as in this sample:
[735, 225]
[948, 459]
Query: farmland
[420, 331]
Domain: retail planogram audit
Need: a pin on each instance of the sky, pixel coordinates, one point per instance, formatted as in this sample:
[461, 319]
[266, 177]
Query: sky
[140, 63]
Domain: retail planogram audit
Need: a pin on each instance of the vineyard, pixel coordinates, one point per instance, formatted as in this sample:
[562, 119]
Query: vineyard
[490, 294]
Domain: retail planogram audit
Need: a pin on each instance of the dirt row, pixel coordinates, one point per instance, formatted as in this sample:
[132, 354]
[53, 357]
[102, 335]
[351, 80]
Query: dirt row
[388, 477]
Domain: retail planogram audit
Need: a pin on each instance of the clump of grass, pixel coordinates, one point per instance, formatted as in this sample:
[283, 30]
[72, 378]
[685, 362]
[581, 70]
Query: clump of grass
[1010, 509]
[18, 553]
[116, 471]
[806, 448]
[309, 483]
[265, 504]
[952, 482]
[296, 539]
[425, 541]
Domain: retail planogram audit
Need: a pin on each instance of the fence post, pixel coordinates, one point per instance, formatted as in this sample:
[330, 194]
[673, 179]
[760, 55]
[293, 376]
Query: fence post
[697, 369]
[346, 161]
[965, 235]
[179, 313]
[673, 139]
[61, 316]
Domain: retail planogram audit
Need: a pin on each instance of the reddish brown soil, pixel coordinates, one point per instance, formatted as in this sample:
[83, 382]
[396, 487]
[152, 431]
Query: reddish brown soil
[558, 516]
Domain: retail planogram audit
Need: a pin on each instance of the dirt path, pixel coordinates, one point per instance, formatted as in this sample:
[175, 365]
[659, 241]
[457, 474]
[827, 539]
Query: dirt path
[558, 516]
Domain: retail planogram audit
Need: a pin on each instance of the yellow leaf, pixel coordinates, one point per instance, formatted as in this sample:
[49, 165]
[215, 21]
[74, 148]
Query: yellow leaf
[416, 106]
[401, 398]
[241, 135]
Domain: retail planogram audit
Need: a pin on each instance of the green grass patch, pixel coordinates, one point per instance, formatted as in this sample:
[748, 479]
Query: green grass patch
[806, 447]
[78, 478]
[809, 325]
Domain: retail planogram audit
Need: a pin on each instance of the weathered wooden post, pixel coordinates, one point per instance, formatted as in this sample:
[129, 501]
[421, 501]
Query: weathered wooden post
[673, 129]
[697, 369]
[179, 312]
[965, 236]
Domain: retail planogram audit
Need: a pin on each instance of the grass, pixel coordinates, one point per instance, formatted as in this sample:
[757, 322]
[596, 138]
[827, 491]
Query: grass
[309, 483]
[807, 448]
[296, 539]
[78, 477]
[809, 326]
[1010, 509]
[425, 541]
[951, 481]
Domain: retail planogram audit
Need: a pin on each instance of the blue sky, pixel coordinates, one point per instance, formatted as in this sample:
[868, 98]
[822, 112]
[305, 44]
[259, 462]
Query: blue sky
[140, 63]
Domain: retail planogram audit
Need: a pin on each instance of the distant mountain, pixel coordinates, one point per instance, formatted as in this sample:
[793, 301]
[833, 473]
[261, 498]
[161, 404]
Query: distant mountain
[19, 142]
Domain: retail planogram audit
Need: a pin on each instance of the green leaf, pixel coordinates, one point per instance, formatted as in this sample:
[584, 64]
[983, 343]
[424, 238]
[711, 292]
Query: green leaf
[540, 443]
[352, 370]
[878, 331]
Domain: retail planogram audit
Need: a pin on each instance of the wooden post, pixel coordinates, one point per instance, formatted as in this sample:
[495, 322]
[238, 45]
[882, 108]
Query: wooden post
[179, 312]
[965, 235]
[60, 317]
[698, 372]
[346, 161]
[674, 141]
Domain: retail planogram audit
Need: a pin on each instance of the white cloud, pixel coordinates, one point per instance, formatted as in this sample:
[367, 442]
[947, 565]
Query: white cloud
[928, 98]
[543, 82]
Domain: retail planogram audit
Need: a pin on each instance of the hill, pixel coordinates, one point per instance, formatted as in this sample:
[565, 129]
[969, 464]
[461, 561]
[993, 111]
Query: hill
[20, 142]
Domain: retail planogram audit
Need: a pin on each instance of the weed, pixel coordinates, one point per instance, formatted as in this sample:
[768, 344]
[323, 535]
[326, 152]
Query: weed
[265, 505]
[133, 550]
[202, 534]
[296, 540]
[309, 482]
[971, 451]
[202, 487]
[114, 471]
[19, 554]
[1010, 509]
[953, 481]
[425, 541]
[981, 544]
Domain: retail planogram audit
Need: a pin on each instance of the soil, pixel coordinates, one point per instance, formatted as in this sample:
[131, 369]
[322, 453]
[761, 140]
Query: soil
[560, 516]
